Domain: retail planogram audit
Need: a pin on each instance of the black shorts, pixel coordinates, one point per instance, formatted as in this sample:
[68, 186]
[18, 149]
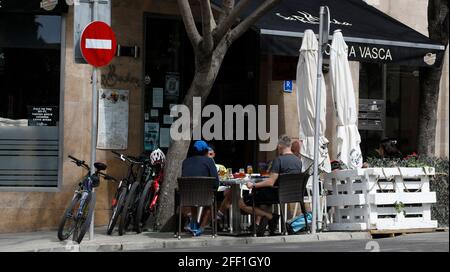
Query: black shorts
[220, 196]
[266, 195]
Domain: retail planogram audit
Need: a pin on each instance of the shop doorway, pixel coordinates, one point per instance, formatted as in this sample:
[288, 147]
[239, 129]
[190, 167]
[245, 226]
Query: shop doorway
[169, 69]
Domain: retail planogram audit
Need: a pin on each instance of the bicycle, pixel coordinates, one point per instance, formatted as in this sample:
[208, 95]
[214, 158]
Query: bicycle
[126, 187]
[78, 215]
[149, 197]
[150, 194]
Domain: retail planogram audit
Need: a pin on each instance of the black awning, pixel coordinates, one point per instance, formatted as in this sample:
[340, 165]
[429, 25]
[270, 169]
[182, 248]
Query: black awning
[31, 6]
[372, 36]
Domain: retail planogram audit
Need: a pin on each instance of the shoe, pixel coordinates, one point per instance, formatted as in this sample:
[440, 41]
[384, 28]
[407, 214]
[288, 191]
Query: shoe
[260, 230]
[192, 227]
[197, 232]
[273, 223]
[220, 216]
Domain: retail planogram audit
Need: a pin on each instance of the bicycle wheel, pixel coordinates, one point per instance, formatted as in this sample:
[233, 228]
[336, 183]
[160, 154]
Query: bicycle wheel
[85, 221]
[143, 212]
[127, 212]
[117, 209]
[68, 221]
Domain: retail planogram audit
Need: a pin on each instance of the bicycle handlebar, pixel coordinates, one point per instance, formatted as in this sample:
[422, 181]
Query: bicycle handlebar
[130, 159]
[79, 162]
[107, 177]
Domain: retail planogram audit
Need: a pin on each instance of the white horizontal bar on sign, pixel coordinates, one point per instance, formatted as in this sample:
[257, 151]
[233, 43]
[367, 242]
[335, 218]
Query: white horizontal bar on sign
[98, 44]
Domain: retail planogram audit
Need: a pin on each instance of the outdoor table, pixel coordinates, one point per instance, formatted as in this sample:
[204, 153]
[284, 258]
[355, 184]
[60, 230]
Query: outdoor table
[235, 184]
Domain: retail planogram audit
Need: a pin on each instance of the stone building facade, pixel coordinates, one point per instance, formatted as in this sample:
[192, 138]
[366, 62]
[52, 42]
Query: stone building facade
[31, 209]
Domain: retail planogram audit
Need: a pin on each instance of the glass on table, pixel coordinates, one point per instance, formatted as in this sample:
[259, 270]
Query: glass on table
[249, 169]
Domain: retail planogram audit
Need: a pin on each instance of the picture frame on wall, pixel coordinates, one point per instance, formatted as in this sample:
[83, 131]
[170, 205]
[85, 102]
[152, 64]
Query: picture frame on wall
[172, 88]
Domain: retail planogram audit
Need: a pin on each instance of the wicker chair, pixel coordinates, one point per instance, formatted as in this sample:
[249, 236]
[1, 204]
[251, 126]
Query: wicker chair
[291, 188]
[196, 192]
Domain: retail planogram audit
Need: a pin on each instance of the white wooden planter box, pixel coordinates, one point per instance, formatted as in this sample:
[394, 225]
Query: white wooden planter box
[365, 199]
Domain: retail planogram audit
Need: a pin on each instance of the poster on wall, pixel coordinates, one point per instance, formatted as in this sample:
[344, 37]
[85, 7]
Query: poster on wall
[151, 136]
[164, 138]
[158, 97]
[42, 116]
[172, 90]
[113, 110]
[167, 119]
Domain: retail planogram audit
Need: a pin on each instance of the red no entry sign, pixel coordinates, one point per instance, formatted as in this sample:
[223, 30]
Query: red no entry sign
[98, 44]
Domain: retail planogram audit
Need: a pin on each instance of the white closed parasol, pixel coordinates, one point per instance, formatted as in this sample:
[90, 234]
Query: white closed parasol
[348, 138]
[306, 100]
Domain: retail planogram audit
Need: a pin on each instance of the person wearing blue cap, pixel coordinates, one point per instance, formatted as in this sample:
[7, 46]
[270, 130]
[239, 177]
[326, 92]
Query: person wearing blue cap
[199, 165]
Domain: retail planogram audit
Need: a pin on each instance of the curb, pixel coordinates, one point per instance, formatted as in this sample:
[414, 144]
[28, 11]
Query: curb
[188, 242]
[194, 243]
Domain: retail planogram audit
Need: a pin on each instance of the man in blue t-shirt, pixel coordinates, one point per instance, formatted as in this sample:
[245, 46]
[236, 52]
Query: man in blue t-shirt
[199, 165]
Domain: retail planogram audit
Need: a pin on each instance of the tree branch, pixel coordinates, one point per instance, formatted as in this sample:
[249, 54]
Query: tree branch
[208, 24]
[438, 11]
[228, 21]
[227, 6]
[250, 20]
[189, 23]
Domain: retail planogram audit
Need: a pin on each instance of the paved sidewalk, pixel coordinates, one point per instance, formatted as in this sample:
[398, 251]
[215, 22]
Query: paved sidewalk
[47, 241]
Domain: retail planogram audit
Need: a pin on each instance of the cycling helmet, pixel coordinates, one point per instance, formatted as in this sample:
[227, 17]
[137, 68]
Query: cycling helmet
[157, 157]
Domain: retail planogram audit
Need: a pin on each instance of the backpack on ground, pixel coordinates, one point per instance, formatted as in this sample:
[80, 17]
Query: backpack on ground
[297, 224]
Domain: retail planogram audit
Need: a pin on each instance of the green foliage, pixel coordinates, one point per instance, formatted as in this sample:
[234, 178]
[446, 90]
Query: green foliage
[438, 184]
[399, 207]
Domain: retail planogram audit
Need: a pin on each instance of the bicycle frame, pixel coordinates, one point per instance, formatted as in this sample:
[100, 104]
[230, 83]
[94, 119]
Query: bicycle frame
[130, 178]
[156, 188]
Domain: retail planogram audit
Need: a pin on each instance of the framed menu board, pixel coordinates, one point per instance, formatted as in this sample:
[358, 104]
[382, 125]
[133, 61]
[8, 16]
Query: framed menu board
[113, 110]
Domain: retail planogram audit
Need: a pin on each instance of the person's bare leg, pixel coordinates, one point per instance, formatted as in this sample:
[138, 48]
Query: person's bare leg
[206, 217]
[226, 203]
[259, 212]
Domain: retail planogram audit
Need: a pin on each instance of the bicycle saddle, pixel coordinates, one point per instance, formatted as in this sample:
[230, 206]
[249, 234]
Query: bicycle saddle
[100, 166]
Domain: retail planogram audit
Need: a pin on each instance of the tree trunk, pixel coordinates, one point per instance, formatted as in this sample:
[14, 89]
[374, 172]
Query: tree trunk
[207, 68]
[430, 78]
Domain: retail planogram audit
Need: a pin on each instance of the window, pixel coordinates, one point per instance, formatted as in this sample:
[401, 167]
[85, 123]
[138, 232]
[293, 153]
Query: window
[30, 57]
[398, 87]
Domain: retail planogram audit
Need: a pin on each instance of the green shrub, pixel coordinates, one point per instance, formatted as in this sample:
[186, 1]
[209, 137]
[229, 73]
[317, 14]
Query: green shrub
[438, 184]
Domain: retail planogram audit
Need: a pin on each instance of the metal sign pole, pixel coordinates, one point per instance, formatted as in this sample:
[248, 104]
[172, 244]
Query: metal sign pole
[94, 120]
[316, 200]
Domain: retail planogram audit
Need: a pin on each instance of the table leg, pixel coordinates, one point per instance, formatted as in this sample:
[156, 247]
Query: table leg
[236, 220]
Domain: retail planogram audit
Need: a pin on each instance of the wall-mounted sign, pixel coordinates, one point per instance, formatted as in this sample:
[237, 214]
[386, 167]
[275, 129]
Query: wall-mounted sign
[172, 85]
[83, 16]
[35, 6]
[49, 5]
[287, 86]
[98, 44]
[40, 116]
[113, 113]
